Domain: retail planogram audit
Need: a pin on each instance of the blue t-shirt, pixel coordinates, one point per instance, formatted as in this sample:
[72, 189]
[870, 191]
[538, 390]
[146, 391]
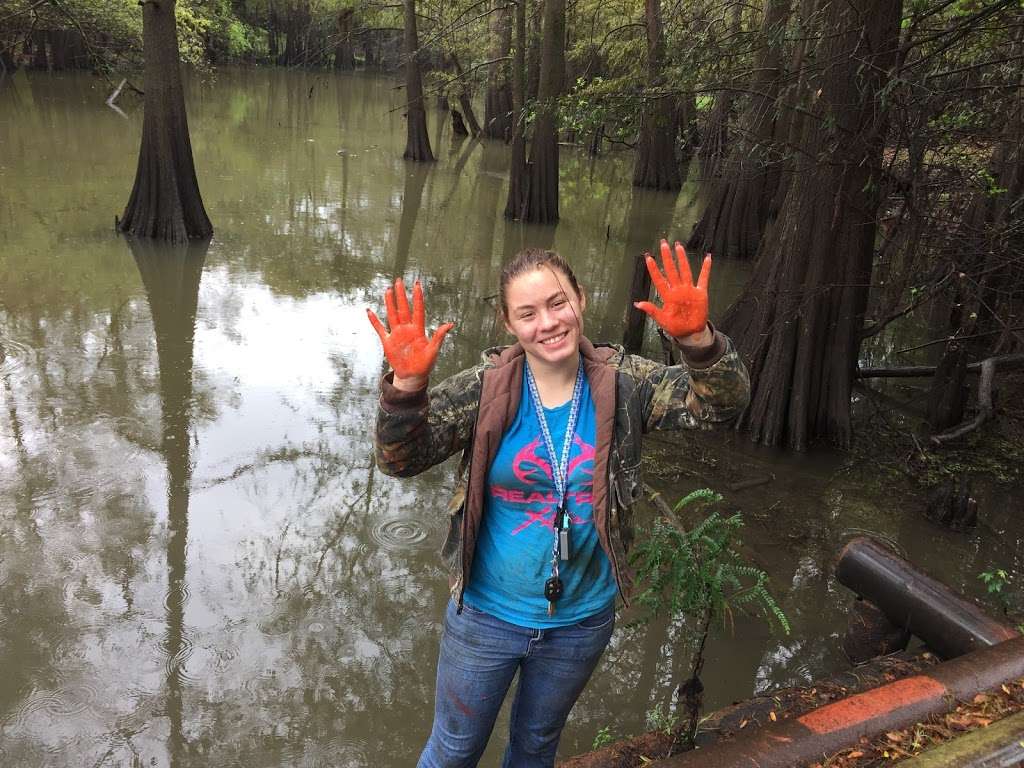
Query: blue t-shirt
[514, 545]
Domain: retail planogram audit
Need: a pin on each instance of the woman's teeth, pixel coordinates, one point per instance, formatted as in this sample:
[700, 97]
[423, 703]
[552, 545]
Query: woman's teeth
[554, 339]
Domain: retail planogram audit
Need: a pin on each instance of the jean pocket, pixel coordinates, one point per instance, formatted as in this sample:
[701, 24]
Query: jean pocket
[472, 611]
[598, 620]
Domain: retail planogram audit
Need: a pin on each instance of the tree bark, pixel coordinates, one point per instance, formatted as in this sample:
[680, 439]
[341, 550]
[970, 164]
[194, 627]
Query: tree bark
[165, 203]
[542, 194]
[417, 141]
[517, 182]
[463, 95]
[344, 52]
[737, 210]
[798, 322]
[656, 165]
[498, 107]
[716, 132]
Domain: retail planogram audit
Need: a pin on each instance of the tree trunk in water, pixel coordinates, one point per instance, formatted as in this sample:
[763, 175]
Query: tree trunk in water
[344, 53]
[464, 101]
[656, 166]
[737, 210]
[39, 58]
[165, 203]
[417, 140]
[798, 322]
[542, 193]
[498, 97]
[517, 168]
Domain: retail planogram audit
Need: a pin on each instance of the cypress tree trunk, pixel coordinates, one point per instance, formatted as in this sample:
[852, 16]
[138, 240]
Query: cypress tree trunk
[417, 141]
[716, 131]
[517, 169]
[798, 323]
[737, 210]
[542, 194]
[463, 95]
[656, 166]
[165, 203]
[498, 107]
[344, 53]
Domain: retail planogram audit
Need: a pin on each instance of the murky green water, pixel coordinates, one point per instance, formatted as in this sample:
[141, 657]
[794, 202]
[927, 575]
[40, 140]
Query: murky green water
[199, 564]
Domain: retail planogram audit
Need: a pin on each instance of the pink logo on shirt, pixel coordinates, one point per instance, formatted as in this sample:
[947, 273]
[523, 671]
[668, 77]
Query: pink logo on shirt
[529, 468]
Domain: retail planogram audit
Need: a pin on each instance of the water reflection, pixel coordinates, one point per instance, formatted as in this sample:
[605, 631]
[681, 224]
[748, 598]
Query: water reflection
[199, 564]
[170, 277]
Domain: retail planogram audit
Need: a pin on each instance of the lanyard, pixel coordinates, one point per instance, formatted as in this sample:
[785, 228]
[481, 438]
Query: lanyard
[560, 464]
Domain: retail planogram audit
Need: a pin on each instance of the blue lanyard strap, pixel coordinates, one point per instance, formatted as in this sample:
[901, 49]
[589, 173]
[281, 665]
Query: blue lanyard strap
[559, 465]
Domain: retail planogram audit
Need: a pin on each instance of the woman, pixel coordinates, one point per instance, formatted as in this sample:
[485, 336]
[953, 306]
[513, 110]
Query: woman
[550, 431]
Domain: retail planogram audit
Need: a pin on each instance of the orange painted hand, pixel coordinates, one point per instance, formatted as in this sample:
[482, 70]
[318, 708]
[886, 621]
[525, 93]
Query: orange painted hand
[411, 354]
[684, 309]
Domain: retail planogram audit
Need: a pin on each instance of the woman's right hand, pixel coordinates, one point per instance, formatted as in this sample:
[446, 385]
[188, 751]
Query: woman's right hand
[410, 353]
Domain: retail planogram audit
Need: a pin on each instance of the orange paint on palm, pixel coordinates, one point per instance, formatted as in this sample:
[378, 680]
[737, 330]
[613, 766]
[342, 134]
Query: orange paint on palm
[870, 704]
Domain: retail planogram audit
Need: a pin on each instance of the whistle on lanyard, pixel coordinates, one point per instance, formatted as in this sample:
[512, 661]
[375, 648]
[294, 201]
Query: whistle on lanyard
[562, 524]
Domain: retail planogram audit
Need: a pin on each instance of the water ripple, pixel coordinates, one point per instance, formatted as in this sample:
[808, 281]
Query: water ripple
[12, 355]
[48, 706]
[280, 623]
[400, 533]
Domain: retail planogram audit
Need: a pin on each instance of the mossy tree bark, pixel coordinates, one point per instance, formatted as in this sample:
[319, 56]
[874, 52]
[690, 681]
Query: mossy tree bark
[656, 165]
[542, 194]
[798, 323]
[417, 140]
[165, 203]
[738, 207]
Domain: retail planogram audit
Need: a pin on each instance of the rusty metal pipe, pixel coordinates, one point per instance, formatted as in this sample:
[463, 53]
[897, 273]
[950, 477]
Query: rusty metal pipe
[947, 622]
[824, 731]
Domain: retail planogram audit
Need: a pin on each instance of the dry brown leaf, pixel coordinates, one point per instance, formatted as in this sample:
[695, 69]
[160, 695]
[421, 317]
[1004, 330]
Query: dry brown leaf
[772, 716]
[896, 736]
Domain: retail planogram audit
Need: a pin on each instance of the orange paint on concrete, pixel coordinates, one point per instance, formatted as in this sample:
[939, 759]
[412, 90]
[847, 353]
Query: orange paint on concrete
[864, 706]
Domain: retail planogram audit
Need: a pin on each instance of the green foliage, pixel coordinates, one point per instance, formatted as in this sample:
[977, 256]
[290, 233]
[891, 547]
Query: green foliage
[661, 719]
[698, 573]
[997, 582]
[603, 738]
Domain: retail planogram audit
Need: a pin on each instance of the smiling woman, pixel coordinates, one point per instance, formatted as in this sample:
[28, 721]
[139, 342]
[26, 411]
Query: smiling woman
[550, 429]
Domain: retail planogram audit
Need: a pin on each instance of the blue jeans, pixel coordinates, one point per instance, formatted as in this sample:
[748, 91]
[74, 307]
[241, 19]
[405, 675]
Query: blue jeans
[479, 657]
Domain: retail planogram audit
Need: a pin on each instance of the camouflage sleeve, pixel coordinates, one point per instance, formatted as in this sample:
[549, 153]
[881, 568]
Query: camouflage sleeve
[416, 430]
[706, 390]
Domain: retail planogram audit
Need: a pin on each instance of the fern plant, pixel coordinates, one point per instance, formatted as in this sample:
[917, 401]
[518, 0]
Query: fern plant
[698, 574]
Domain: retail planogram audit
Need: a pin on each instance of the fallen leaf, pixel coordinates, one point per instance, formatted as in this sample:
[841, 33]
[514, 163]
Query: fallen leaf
[856, 753]
[772, 716]
[744, 724]
[895, 736]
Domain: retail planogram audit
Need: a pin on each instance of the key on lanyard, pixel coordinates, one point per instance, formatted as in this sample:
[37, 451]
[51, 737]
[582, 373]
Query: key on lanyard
[552, 591]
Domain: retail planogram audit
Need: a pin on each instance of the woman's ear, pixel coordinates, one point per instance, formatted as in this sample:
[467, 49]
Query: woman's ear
[583, 300]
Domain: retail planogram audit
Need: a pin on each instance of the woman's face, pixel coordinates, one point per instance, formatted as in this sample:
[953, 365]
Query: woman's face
[545, 314]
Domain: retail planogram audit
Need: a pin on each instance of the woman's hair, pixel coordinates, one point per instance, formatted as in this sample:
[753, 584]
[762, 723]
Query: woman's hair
[528, 260]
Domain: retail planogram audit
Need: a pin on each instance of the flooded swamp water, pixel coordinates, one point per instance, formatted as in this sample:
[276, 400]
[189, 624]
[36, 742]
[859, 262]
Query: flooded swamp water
[199, 564]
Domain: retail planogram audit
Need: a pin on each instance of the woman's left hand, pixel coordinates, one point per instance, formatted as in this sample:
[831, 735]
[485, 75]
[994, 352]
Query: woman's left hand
[684, 310]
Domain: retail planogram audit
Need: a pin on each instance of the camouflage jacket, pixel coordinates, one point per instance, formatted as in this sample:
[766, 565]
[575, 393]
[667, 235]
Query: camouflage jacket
[632, 395]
